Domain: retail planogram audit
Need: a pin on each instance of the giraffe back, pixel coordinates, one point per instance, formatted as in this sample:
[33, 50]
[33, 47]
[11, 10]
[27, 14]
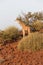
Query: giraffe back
[24, 26]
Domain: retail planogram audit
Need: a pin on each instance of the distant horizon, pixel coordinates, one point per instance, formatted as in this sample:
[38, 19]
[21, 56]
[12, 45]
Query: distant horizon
[10, 9]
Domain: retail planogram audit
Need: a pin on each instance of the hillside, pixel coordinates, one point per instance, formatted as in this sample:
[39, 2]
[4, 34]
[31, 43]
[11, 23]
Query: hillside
[10, 55]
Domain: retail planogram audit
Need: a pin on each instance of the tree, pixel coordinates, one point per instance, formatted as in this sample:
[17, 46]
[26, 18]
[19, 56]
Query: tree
[30, 17]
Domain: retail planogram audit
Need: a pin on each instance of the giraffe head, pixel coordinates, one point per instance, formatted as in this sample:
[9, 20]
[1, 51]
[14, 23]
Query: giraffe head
[17, 20]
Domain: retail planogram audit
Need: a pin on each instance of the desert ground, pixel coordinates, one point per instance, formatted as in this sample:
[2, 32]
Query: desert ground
[10, 55]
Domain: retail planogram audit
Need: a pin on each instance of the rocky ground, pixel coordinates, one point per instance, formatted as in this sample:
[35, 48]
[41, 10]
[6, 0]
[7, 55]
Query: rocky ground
[10, 55]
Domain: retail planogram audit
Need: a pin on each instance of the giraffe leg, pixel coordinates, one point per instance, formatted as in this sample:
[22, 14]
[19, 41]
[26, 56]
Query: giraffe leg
[28, 31]
[23, 33]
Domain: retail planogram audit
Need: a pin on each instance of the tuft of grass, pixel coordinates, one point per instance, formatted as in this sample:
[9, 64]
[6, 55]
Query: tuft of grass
[32, 42]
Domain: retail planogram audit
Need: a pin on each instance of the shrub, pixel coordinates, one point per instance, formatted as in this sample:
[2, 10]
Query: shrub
[32, 42]
[37, 25]
[9, 34]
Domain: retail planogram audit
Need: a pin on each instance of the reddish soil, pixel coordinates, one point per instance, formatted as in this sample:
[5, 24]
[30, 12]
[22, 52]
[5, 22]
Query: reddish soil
[10, 55]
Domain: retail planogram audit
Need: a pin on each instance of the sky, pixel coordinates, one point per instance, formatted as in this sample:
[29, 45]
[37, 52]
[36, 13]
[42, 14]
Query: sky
[10, 9]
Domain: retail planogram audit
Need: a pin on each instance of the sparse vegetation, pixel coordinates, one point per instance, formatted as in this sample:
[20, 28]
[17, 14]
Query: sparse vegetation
[32, 42]
[16, 49]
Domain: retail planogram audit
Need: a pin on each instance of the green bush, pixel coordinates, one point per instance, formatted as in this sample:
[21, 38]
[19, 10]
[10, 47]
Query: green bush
[9, 34]
[32, 42]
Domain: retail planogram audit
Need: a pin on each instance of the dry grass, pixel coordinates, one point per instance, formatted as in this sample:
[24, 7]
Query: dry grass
[32, 42]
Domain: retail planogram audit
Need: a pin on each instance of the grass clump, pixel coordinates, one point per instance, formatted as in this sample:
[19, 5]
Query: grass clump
[32, 42]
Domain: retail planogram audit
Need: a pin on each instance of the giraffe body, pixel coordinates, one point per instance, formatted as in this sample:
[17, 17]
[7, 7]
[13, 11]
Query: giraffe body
[24, 27]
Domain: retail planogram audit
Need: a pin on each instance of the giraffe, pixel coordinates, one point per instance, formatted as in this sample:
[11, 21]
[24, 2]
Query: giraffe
[24, 27]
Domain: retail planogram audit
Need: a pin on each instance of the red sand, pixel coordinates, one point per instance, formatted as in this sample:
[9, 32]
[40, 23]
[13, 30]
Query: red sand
[10, 55]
